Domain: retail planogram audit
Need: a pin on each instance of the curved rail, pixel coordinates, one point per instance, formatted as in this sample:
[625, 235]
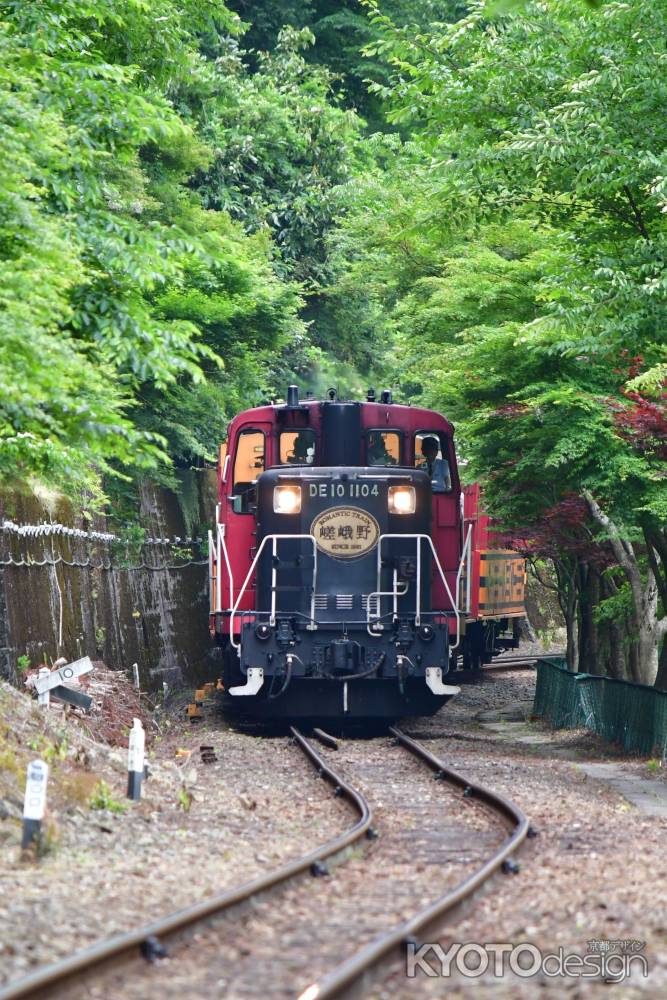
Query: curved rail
[83, 961]
[340, 978]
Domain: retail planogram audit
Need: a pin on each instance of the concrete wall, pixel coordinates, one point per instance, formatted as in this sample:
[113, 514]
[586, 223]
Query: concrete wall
[151, 614]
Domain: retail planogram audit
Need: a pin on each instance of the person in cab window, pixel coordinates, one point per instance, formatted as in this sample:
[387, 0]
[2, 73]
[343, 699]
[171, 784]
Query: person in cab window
[376, 451]
[437, 468]
[303, 450]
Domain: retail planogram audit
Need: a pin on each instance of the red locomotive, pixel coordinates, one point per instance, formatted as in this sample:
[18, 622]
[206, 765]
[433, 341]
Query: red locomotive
[349, 572]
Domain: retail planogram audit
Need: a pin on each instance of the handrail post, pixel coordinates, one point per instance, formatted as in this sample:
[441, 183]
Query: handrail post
[218, 572]
[274, 545]
[312, 626]
[274, 579]
[212, 604]
[465, 559]
[418, 598]
[469, 571]
[419, 538]
[378, 587]
[237, 645]
[222, 548]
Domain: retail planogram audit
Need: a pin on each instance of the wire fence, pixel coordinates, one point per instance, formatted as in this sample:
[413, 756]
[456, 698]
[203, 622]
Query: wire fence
[633, 715]
[26, 536]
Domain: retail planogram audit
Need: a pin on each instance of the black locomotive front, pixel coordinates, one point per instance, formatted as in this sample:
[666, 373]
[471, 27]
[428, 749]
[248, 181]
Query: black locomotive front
[343, 626]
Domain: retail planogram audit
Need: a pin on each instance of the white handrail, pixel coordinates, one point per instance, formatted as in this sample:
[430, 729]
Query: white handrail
[274, 539]
[466, 555]
[395, 593]
[378, 594]
[211, 603]
[419, 538]
[222, 547]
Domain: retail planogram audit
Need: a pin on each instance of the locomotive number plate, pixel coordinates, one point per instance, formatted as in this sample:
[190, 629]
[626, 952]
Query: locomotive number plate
[345, 532]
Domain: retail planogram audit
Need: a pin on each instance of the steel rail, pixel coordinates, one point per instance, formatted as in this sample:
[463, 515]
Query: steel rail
[49, 976]
[525, 661]
[495, 666]
[501, 659]
[350, 971]
[326, 738]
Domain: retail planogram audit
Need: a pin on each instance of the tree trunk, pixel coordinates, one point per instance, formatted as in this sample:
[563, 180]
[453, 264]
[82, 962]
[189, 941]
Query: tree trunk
[634, 666]
[661, 679]
[648, 655]
[649, 628]
[618, 663]
[615, 663]
[567, 598]
[589, 598]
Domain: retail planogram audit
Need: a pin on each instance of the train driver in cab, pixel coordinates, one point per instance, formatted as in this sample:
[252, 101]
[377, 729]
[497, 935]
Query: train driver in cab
[437, 468]
[303, 449]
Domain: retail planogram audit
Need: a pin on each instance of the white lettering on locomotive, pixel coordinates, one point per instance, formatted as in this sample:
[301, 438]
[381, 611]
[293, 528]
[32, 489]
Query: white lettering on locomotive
[337, 490]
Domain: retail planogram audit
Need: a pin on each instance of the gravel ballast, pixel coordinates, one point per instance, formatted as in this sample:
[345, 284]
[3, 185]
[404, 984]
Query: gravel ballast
[595, 872]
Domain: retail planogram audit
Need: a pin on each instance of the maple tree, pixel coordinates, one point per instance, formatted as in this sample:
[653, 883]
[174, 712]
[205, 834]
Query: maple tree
[517, 243]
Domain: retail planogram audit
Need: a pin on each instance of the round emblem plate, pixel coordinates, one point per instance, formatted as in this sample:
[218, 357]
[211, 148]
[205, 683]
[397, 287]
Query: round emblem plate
[345, 532]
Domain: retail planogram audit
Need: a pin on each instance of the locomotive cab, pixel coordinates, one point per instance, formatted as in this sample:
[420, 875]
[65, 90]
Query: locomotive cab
[336, 563]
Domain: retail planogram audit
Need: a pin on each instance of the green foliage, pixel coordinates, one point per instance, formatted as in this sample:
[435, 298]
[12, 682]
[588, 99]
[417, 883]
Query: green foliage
[615, 608]
[282, 145]
[127, 547]
[181, 553]
[23, 663]
[340, 31]
[102, 797]
[119, 284]
[50, 749]
[192, 214]
[519, 241]
[516, 242]
[184, 798]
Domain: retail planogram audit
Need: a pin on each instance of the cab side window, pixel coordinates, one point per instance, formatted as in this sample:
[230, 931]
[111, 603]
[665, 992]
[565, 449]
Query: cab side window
[429, 449]
[383, 448]
[248, 465]
[297, 447]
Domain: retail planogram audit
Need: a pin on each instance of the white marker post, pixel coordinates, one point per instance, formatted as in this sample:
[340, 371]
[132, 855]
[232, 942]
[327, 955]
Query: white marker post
[135, 760]
[43, 696]
[34, 802]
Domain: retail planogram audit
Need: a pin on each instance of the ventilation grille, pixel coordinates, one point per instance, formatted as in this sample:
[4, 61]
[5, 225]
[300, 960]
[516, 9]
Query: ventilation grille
[321, 602]
[344, 602]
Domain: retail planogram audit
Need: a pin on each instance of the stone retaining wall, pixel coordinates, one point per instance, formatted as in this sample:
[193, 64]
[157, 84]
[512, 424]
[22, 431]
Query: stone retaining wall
[72, 595]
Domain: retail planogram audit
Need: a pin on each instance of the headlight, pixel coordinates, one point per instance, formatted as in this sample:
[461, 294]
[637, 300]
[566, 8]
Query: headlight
[402, 500]
[287, 499]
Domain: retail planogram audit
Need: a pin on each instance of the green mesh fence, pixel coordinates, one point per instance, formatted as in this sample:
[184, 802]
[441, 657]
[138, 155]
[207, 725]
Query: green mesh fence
[630, 714]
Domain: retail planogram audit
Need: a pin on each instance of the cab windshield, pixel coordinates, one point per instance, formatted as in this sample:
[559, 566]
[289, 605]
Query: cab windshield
[297, 447]
[383, 448]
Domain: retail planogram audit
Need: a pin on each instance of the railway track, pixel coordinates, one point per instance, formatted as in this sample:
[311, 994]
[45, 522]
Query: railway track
[360, 964]
[520, 661]
[330, 909]
[149, 940]
[517, 660]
